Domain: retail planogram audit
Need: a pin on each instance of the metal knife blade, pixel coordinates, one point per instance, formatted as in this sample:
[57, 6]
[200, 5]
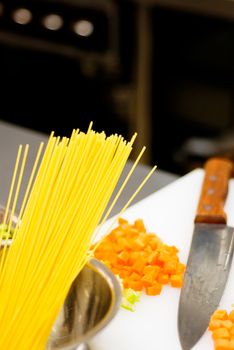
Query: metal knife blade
[210, 255]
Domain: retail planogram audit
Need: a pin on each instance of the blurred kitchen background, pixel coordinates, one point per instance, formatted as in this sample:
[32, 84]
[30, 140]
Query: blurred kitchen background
[162, 68]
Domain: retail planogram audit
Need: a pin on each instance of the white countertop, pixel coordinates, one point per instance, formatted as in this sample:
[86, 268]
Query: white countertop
[169, 213]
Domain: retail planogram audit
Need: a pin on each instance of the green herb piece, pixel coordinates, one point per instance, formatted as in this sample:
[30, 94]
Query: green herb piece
[129, 298]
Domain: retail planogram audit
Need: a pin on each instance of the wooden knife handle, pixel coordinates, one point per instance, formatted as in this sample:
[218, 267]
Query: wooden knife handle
[214, 191]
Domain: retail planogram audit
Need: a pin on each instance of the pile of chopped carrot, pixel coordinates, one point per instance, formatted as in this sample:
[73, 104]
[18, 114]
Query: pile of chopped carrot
[140, 259]
[222, 327]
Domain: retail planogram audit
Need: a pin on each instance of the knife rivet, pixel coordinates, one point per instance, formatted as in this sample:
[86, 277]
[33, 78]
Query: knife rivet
[210, 191]
[207, 207]
[213, 178]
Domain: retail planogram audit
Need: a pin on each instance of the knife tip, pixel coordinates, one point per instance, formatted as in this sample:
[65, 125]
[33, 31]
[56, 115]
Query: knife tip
[185, 346]
[189, 339]
[189, 332]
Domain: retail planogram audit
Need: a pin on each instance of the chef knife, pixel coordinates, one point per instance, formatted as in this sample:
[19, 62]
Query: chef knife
[209, 257]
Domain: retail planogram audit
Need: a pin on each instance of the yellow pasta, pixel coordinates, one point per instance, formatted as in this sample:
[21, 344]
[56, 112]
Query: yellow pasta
[66, 200]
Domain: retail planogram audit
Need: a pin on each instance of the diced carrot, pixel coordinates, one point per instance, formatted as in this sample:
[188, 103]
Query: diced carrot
[231, 344]
[123, 256]
[126, 283]
[170, 266]
[139, 257]
[232, 330]
[176, 281]
[220, 333]
[220, 315]
[138, 266]
[122, 221]
[163, 278]
[221, 344]
[222, 327]
[153, 258]
[228, 324]
[137, 244]
[180, 268]
[135, 276]
[123, 273]
[140, 226]
[214, 324]
[153, 273]
[136, 285]
[148, 279]
[231, 315]
[155, 289]
[163, 256]
[153, 243]
[149, 268]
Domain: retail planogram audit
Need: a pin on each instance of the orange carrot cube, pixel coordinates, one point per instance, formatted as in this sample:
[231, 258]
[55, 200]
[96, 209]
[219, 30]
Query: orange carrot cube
[220, 314]
[139, 225]
[231, 315]
[148, 279]
[220, 333]
[170, 267]
[138, 266]
[214, 324]
[231, 330]
[228, 324]
[153, 258]
[154, 289]
[163, 278]
[135, 276]
[176, 281]
[136, 285]
[221, 344]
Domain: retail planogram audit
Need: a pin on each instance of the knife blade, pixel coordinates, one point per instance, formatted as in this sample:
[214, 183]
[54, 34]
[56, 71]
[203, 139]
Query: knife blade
[210, 255]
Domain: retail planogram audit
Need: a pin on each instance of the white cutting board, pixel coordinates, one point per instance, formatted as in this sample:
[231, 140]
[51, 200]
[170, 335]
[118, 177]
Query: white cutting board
[169, 213]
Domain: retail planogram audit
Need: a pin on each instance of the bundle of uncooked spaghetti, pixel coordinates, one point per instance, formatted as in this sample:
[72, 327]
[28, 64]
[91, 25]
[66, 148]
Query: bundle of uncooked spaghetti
[66, 199]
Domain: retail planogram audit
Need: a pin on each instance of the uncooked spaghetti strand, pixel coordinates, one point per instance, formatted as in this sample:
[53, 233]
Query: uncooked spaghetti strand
[121, 188]
[5, 247]
[14, 205]
[40, 183]
[29, 186]
[12, 185]
[49, 235]
[66, 248]
[22, 274]
[93, 210]
[44, 212]
[133, 196]
[129, 202]
[26, 195]
[14, 265]
[3, 264]
[31, 202]
[25, 155]
[52, 200]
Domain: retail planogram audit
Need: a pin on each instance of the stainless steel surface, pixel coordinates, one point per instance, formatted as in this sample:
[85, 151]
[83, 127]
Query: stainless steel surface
[210, 254]
[83, 347]
[206, 275]
[92, 302]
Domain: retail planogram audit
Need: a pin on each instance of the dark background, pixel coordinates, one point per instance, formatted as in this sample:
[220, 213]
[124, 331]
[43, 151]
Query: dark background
[193, 87]
[60, 81]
